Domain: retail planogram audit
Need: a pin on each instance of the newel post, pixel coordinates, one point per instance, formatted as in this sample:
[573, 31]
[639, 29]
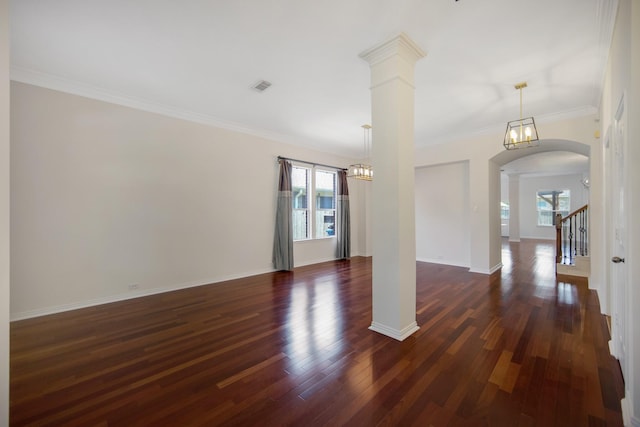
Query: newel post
[558, 223]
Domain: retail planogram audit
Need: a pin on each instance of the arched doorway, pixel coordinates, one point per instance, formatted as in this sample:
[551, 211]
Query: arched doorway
[553, 152]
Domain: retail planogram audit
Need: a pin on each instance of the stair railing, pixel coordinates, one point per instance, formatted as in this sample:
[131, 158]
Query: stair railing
[572, 235]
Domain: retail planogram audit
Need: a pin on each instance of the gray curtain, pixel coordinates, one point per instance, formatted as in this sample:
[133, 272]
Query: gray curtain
[283, 239]
[343, 220]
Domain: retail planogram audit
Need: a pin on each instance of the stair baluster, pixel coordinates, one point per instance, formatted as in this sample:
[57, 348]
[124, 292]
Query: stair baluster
[572, 236]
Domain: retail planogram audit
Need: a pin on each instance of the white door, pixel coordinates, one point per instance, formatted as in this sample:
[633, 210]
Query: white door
[618, 280]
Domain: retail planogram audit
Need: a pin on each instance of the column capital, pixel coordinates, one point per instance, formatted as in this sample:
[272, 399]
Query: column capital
[400, 45]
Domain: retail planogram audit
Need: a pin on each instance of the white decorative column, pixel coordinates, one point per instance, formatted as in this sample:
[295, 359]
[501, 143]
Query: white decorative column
[393, 223]
[514, 208]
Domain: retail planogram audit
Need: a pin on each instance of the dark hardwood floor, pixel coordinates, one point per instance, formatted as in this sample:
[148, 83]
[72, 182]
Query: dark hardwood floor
[517, 348]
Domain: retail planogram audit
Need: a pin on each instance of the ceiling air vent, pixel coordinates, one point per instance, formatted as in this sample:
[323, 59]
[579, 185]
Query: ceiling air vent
[261, 86]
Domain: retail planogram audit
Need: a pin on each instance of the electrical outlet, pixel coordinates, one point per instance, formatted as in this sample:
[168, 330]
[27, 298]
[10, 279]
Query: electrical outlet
[133, 286]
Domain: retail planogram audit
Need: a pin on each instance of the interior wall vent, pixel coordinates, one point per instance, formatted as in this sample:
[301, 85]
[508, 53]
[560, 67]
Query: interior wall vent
[261, 86]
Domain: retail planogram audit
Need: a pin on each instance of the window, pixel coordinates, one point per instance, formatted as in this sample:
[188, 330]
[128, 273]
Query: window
[325, 185]
[504, 211]
[550, 203]
[315, 214]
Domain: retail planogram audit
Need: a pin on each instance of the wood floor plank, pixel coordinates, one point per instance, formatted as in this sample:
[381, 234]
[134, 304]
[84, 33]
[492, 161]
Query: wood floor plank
[518, 347]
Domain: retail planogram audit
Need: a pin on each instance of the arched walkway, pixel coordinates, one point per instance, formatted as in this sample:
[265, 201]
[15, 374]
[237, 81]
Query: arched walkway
[546, 145]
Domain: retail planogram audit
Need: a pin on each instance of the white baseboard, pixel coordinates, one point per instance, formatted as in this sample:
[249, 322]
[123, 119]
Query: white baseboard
[471, 270]
[141, 293]
[496, 267]
[124, 296]
[443, 261]
[399, 335]
[492, 270]
[313, 261]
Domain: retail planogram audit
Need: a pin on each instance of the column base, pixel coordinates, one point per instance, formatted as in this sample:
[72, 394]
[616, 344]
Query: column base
[397, 334]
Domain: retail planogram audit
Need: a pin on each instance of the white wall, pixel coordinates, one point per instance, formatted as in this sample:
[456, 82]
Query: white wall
[529, 186]
[4, 212]
[442, 214]
[105, 196]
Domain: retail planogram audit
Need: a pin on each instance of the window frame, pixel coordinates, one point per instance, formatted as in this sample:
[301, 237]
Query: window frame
[312, 201]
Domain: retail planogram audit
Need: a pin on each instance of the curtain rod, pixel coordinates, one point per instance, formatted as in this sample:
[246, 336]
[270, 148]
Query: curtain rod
[311, 163]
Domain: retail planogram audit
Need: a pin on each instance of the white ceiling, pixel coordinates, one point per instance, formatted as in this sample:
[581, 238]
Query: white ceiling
[198, 59]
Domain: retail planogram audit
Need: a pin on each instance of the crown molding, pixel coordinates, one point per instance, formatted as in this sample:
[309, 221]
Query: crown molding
[61, 84]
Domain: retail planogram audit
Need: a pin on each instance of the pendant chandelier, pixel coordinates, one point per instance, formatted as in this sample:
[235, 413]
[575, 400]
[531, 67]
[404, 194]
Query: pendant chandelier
[521, 133]
[362, 170]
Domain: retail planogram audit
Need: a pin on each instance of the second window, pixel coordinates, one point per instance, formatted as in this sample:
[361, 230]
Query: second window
[314, 203]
